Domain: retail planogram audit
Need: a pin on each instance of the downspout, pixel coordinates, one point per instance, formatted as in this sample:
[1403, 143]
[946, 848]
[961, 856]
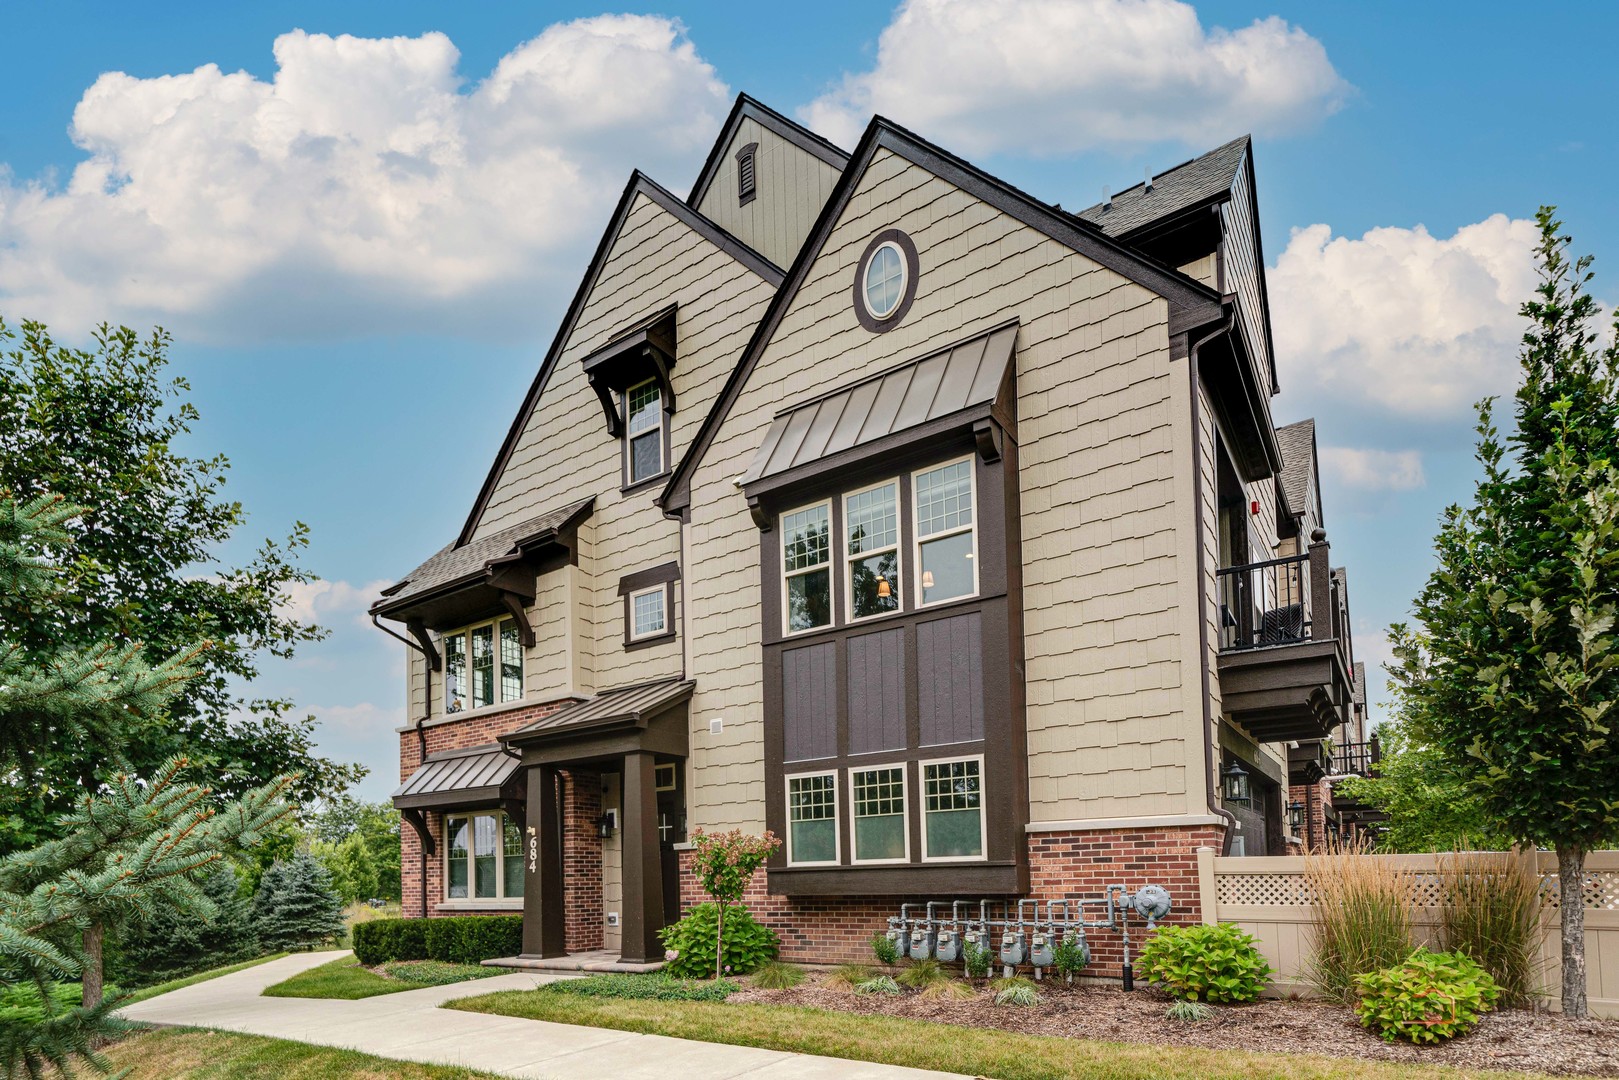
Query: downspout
[1215, 808]
[421, 733]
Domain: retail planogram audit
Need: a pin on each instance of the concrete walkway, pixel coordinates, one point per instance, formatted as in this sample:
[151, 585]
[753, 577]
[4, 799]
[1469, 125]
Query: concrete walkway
[410, 1026]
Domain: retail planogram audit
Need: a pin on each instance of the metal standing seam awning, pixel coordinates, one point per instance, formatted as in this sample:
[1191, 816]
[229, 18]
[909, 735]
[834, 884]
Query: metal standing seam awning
[476, 776]
[646, 717]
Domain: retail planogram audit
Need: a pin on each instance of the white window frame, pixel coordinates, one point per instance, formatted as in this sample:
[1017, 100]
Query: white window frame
[905, 811]
[465, 634]
[630, 479]
[831, 567]
[917, 539]
[837, 816]
[896, 547]
[500, 899]
[662, 591]
[904, 279]
[983, 808]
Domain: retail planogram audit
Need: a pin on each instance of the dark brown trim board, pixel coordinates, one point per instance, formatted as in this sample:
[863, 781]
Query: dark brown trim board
[639, 184]
[1189, 300]
[747, 108]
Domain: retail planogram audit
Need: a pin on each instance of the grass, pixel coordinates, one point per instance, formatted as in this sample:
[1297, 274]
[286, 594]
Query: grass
[181, 1054]
[191, 980]
[1361, 917]
[346, 980]
[1490, 910]
[849, 976]
[924, 1045]
[775, 975]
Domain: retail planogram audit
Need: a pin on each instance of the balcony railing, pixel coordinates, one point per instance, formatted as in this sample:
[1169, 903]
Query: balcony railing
[1357, 759]
[1265, 603]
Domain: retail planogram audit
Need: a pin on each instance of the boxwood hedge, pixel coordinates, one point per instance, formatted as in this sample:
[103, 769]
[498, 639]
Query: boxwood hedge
[458, 939]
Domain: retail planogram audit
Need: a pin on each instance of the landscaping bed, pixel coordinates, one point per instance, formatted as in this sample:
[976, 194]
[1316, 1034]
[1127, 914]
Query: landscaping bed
[1509, 1039]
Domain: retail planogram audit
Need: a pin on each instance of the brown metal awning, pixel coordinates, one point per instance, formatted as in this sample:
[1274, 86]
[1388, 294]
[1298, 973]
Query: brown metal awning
[477, 776]
[648, 716]
[974, 374]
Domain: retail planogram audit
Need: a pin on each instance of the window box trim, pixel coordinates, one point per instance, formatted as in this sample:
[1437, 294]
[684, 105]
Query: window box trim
[903, 768]
[983, 809]
[837, 817]
[971, 528]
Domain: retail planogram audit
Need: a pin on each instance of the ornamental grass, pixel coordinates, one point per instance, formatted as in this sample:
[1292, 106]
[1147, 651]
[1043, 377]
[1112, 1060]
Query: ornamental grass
[1361, 916]
[1490, 909]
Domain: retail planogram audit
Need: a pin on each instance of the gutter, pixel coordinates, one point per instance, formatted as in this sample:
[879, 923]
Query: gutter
[1202, 601]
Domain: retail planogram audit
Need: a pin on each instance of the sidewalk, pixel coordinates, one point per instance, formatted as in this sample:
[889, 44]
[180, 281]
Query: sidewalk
[410, 1026]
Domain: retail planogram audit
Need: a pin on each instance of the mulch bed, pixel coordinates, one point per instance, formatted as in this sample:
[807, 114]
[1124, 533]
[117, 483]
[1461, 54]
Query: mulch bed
[1510, 1039]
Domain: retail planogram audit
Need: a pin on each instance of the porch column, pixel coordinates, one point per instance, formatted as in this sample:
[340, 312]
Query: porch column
[643, 864]
[543, 916]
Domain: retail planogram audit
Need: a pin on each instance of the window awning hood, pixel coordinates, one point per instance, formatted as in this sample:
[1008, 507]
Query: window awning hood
[950, 387]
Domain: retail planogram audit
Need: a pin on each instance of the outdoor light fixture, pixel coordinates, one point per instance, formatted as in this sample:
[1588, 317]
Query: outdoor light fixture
[605, 823]
[1295, 815]
[1237, 789]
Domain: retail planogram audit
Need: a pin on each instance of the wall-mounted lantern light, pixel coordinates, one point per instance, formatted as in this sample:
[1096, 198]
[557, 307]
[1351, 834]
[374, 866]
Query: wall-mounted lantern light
[605, 824]
[1236, 785]
[1295, 816]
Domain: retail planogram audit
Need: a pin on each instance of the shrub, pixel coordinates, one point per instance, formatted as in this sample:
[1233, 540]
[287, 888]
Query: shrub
[882, 984]
[1427, 999]
[848, 976]
[658, 986]
[775, 975]
[171, 944]
[947, 989]
[1204, 963]
[886, 951]
[295, 907]
[976, 959]
[1361, 917]
[459, 939]
[693, 941]
[724, 864]
[1070, 957]
[1490, 910]
[1189, 1012]
[1015, 991]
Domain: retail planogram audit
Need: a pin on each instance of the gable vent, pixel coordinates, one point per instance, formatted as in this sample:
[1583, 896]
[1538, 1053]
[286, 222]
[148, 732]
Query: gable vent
[746, 185]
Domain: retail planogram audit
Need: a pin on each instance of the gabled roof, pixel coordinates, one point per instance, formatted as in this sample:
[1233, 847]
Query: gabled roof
[1297, 442]
[639, 184]
[453, 565]
[746, 108]
[1201, 181]
[1360, 683]
[1191, 302]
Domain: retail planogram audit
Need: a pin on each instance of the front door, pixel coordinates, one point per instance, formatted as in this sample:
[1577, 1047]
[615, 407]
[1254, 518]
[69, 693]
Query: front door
[670, 783]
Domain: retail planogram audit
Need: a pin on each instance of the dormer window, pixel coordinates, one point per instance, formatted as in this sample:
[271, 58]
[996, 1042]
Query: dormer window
[631, 377]
[644, 452]
[746, 174]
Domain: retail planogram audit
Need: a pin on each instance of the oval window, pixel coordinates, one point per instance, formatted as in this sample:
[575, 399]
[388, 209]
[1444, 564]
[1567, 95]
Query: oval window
[885, 280]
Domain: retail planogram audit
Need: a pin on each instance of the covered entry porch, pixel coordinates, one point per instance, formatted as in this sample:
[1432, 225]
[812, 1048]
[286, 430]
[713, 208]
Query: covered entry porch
[627, 748]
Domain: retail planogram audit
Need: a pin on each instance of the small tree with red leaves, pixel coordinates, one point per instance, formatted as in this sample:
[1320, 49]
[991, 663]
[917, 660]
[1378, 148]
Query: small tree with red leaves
[724, 863]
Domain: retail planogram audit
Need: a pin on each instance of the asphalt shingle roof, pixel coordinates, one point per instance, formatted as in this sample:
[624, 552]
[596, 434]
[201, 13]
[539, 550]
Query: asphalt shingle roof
[1297, 442]
[1172, 191]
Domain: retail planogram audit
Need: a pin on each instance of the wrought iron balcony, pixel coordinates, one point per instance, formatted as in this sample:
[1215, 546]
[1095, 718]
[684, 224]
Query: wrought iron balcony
[1284, 658]
[1357, 759]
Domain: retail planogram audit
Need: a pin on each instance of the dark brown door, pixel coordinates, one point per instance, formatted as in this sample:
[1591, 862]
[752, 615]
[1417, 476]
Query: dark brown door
[671, 831]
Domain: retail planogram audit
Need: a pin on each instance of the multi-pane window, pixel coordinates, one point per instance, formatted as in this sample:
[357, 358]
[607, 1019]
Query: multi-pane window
[647, 615]
[483, 856]
[643, 438]
[879, 814]
[474, 677]
[952, 809]
[806, 559]
[812, 819]
[871, 522]
[944, 532]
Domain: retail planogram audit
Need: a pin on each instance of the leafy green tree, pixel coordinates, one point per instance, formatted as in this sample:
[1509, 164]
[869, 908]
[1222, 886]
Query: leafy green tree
[349, 864]
[295, 907]
[724, 864]
[1510, 672]
[1428, 803]
[358, 842]
[175, 943]
[99, 427]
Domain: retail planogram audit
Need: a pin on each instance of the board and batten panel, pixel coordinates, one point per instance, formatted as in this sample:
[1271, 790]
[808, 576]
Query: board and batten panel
[809, 689]
[950, 679]
[876, 692]
[1108, 725]
[790, 184]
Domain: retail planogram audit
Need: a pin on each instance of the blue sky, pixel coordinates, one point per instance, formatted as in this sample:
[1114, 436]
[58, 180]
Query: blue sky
[364, 246]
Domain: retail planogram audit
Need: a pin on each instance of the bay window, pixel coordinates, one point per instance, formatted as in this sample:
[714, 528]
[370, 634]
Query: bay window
[483, 857]
[945, 539]
[807, 567]
[483, 665]
[871, 522]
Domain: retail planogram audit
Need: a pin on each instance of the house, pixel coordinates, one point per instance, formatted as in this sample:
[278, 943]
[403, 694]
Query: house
[868, 499]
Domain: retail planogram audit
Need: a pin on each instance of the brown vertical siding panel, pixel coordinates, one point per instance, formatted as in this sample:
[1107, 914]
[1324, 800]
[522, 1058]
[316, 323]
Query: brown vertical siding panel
[877, 692]
[809, 685]
[950, 679]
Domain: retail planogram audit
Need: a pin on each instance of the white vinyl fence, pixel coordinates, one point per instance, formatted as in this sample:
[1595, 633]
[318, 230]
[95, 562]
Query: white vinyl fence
[1271, 899]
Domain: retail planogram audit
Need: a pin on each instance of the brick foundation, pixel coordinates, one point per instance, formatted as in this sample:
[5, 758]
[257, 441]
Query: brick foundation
[1061, 864]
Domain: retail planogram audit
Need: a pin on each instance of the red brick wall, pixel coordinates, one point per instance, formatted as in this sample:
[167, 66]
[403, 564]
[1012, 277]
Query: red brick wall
[582, 861]
[1315, 798]
[1061, 865]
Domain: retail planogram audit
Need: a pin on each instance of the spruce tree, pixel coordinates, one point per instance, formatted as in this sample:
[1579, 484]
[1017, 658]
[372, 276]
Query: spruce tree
[296, 907]
[176, 943]
[1510, 673]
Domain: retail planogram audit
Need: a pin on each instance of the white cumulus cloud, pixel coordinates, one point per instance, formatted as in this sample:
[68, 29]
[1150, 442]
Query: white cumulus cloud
[1374, 470]
[366, 187]
[1402, 320]
[1049, 77]
[332, 602]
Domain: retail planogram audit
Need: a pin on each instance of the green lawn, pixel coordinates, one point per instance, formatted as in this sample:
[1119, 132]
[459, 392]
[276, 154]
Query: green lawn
[344, 978]
[181, 1054]
[924, 1045]
[201, 976]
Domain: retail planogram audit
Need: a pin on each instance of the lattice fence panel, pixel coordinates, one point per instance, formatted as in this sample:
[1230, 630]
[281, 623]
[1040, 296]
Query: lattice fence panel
[1427, 890]
[1261, 890]
[1601, 890]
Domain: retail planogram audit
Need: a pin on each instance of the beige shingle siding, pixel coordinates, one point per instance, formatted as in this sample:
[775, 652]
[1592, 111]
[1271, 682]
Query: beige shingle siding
[791, 184]
[1205, 270]
[565, 452]
[1097, 394]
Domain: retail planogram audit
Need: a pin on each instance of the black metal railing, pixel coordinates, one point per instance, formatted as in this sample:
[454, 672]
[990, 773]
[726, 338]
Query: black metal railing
[1267, 603]
[1358, 758]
